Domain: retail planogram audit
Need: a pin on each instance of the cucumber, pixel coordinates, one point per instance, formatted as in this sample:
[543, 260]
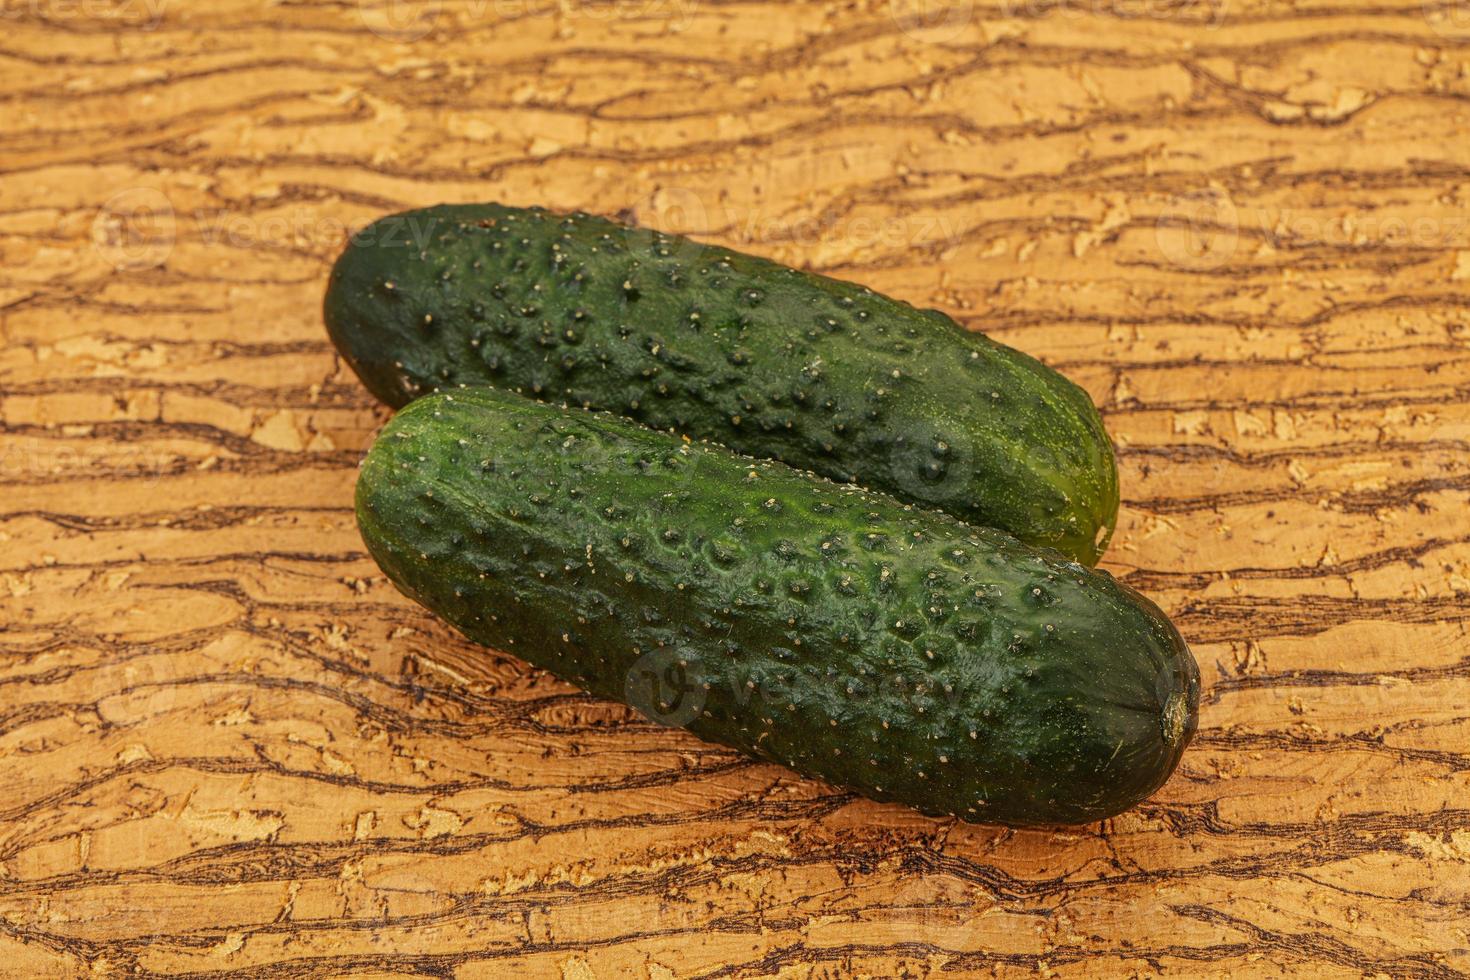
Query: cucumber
[882, 647]
[769, 361]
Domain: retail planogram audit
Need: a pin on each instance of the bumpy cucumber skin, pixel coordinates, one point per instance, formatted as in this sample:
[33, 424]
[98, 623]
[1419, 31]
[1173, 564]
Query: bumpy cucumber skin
[885, 648]
[772, 362]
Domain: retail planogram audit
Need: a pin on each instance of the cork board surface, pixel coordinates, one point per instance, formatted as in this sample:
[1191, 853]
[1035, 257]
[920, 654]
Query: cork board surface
[229, 747]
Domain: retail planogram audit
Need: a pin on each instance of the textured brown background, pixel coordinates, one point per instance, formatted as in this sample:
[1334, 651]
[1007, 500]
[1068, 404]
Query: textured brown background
[226, 744]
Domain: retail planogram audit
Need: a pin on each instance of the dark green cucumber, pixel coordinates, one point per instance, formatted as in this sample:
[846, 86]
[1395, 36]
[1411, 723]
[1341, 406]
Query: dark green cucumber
[885, 648]
[769, 361]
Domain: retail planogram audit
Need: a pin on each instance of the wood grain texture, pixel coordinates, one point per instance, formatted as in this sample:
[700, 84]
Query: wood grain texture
[229, 747]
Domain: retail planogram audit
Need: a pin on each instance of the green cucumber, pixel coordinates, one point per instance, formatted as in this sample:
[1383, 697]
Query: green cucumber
[882, 647]
[769, 361]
